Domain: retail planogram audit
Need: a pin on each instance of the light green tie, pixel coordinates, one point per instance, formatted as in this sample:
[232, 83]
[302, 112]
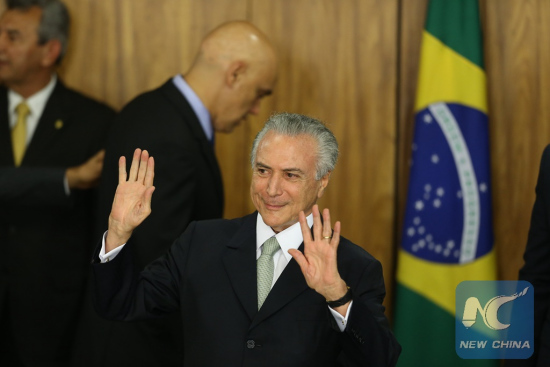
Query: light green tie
[265, 268]
[19, 133]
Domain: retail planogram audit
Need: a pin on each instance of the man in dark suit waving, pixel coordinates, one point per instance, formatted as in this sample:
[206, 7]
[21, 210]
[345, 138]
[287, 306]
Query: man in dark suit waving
[234, 69]
[50, 157]
[262, 290]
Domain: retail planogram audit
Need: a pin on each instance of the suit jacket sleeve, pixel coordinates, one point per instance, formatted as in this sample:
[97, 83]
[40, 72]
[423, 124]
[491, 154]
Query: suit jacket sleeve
[30, 186]
[367, 339]
[536, 269]
[121, 292]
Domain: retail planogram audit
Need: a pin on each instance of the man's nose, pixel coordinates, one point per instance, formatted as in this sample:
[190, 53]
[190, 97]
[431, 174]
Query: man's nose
[255, 108]
[274, 186]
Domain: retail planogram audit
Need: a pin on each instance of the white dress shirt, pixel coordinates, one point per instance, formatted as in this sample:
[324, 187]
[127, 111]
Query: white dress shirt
[36, 102]
[290, 238]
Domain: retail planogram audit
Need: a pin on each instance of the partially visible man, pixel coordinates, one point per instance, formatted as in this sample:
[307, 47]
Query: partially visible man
[536, 269]
[262, 290]
[50, 155]
[234, 69]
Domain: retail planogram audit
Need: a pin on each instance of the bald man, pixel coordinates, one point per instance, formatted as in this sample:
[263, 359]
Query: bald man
[233, 70]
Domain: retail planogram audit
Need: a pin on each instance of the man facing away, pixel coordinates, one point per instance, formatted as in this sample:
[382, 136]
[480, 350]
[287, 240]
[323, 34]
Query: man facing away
[49, 159]
[261, 290]
[236, 66]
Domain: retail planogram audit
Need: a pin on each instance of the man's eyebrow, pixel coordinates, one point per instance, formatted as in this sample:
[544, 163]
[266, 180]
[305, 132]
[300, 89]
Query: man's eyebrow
[293, 170]
[290, 169]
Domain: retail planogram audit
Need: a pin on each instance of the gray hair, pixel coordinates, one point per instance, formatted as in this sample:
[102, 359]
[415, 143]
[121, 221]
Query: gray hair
[54, 24]
[293, 124]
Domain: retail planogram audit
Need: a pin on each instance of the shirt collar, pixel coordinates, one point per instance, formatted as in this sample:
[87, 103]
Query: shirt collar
[290, 238]
[36, 102]
[196, 104]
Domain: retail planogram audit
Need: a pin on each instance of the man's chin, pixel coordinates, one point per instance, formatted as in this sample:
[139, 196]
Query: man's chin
[231, 127]
[270, 220]
[238, 123]
[276, 223]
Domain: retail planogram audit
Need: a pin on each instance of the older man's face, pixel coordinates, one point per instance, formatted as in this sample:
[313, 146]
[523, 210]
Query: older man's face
[21, 57]
[283, 180]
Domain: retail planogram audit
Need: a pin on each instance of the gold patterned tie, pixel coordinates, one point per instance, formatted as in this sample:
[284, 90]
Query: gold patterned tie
[265, 269]
[19, 133]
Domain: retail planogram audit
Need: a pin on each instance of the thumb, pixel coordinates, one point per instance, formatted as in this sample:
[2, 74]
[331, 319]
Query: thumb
[300, 258]
[149, 196]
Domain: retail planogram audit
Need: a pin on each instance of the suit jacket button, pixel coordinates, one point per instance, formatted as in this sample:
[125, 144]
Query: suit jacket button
[250, 344]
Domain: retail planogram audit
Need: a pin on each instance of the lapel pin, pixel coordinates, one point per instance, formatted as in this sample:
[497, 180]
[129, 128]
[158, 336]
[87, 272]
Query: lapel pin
[58, 124]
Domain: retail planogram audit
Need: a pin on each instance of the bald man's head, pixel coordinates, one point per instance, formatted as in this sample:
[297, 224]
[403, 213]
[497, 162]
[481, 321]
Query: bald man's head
[235, 68]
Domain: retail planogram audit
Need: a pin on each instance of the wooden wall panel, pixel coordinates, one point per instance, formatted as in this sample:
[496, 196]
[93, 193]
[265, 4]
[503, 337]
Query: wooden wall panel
[518, 67]
[338, 63]
[411, 25]
[121, 48]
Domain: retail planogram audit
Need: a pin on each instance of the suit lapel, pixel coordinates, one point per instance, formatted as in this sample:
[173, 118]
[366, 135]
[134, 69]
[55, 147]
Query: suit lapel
[290, 284]
[240, 264]
[54, 120]
[184, 108]
[6, 151]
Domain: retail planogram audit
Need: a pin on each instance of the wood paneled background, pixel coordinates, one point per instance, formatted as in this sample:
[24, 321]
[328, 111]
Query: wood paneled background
[353, 64]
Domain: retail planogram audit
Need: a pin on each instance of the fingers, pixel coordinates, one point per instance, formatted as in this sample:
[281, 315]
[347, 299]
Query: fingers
[306, 233]
[300, 259]
[327, 231]
[141, 170]
[322, 230]
[150, 174]
[317, 224]
[144, 162]
[135, 165]
[148, 197]
[336, 234]
[122, 170]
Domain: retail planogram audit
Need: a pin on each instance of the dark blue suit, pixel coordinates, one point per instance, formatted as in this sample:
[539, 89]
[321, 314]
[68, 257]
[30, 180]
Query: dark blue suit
[209, 276]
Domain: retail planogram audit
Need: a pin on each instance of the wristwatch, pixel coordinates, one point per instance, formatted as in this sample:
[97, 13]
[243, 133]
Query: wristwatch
[342, 301]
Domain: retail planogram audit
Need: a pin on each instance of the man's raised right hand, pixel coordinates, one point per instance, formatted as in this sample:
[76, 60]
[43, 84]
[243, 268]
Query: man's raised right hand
[132, 203]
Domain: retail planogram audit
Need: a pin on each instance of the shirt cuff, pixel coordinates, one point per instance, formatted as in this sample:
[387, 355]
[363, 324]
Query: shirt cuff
[106, 257]
[341, 321]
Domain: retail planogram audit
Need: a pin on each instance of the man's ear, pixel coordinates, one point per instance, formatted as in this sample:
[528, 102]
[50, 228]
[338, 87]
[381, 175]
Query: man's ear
[51, 52]
[234, 72]
[323, 184]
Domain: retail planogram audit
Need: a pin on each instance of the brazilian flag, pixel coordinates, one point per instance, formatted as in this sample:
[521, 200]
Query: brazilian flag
[447, 231]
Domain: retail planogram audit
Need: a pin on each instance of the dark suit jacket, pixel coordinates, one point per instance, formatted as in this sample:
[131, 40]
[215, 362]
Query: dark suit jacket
[537, 265]
[188, 186]
[209, 275]
[40, 289]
